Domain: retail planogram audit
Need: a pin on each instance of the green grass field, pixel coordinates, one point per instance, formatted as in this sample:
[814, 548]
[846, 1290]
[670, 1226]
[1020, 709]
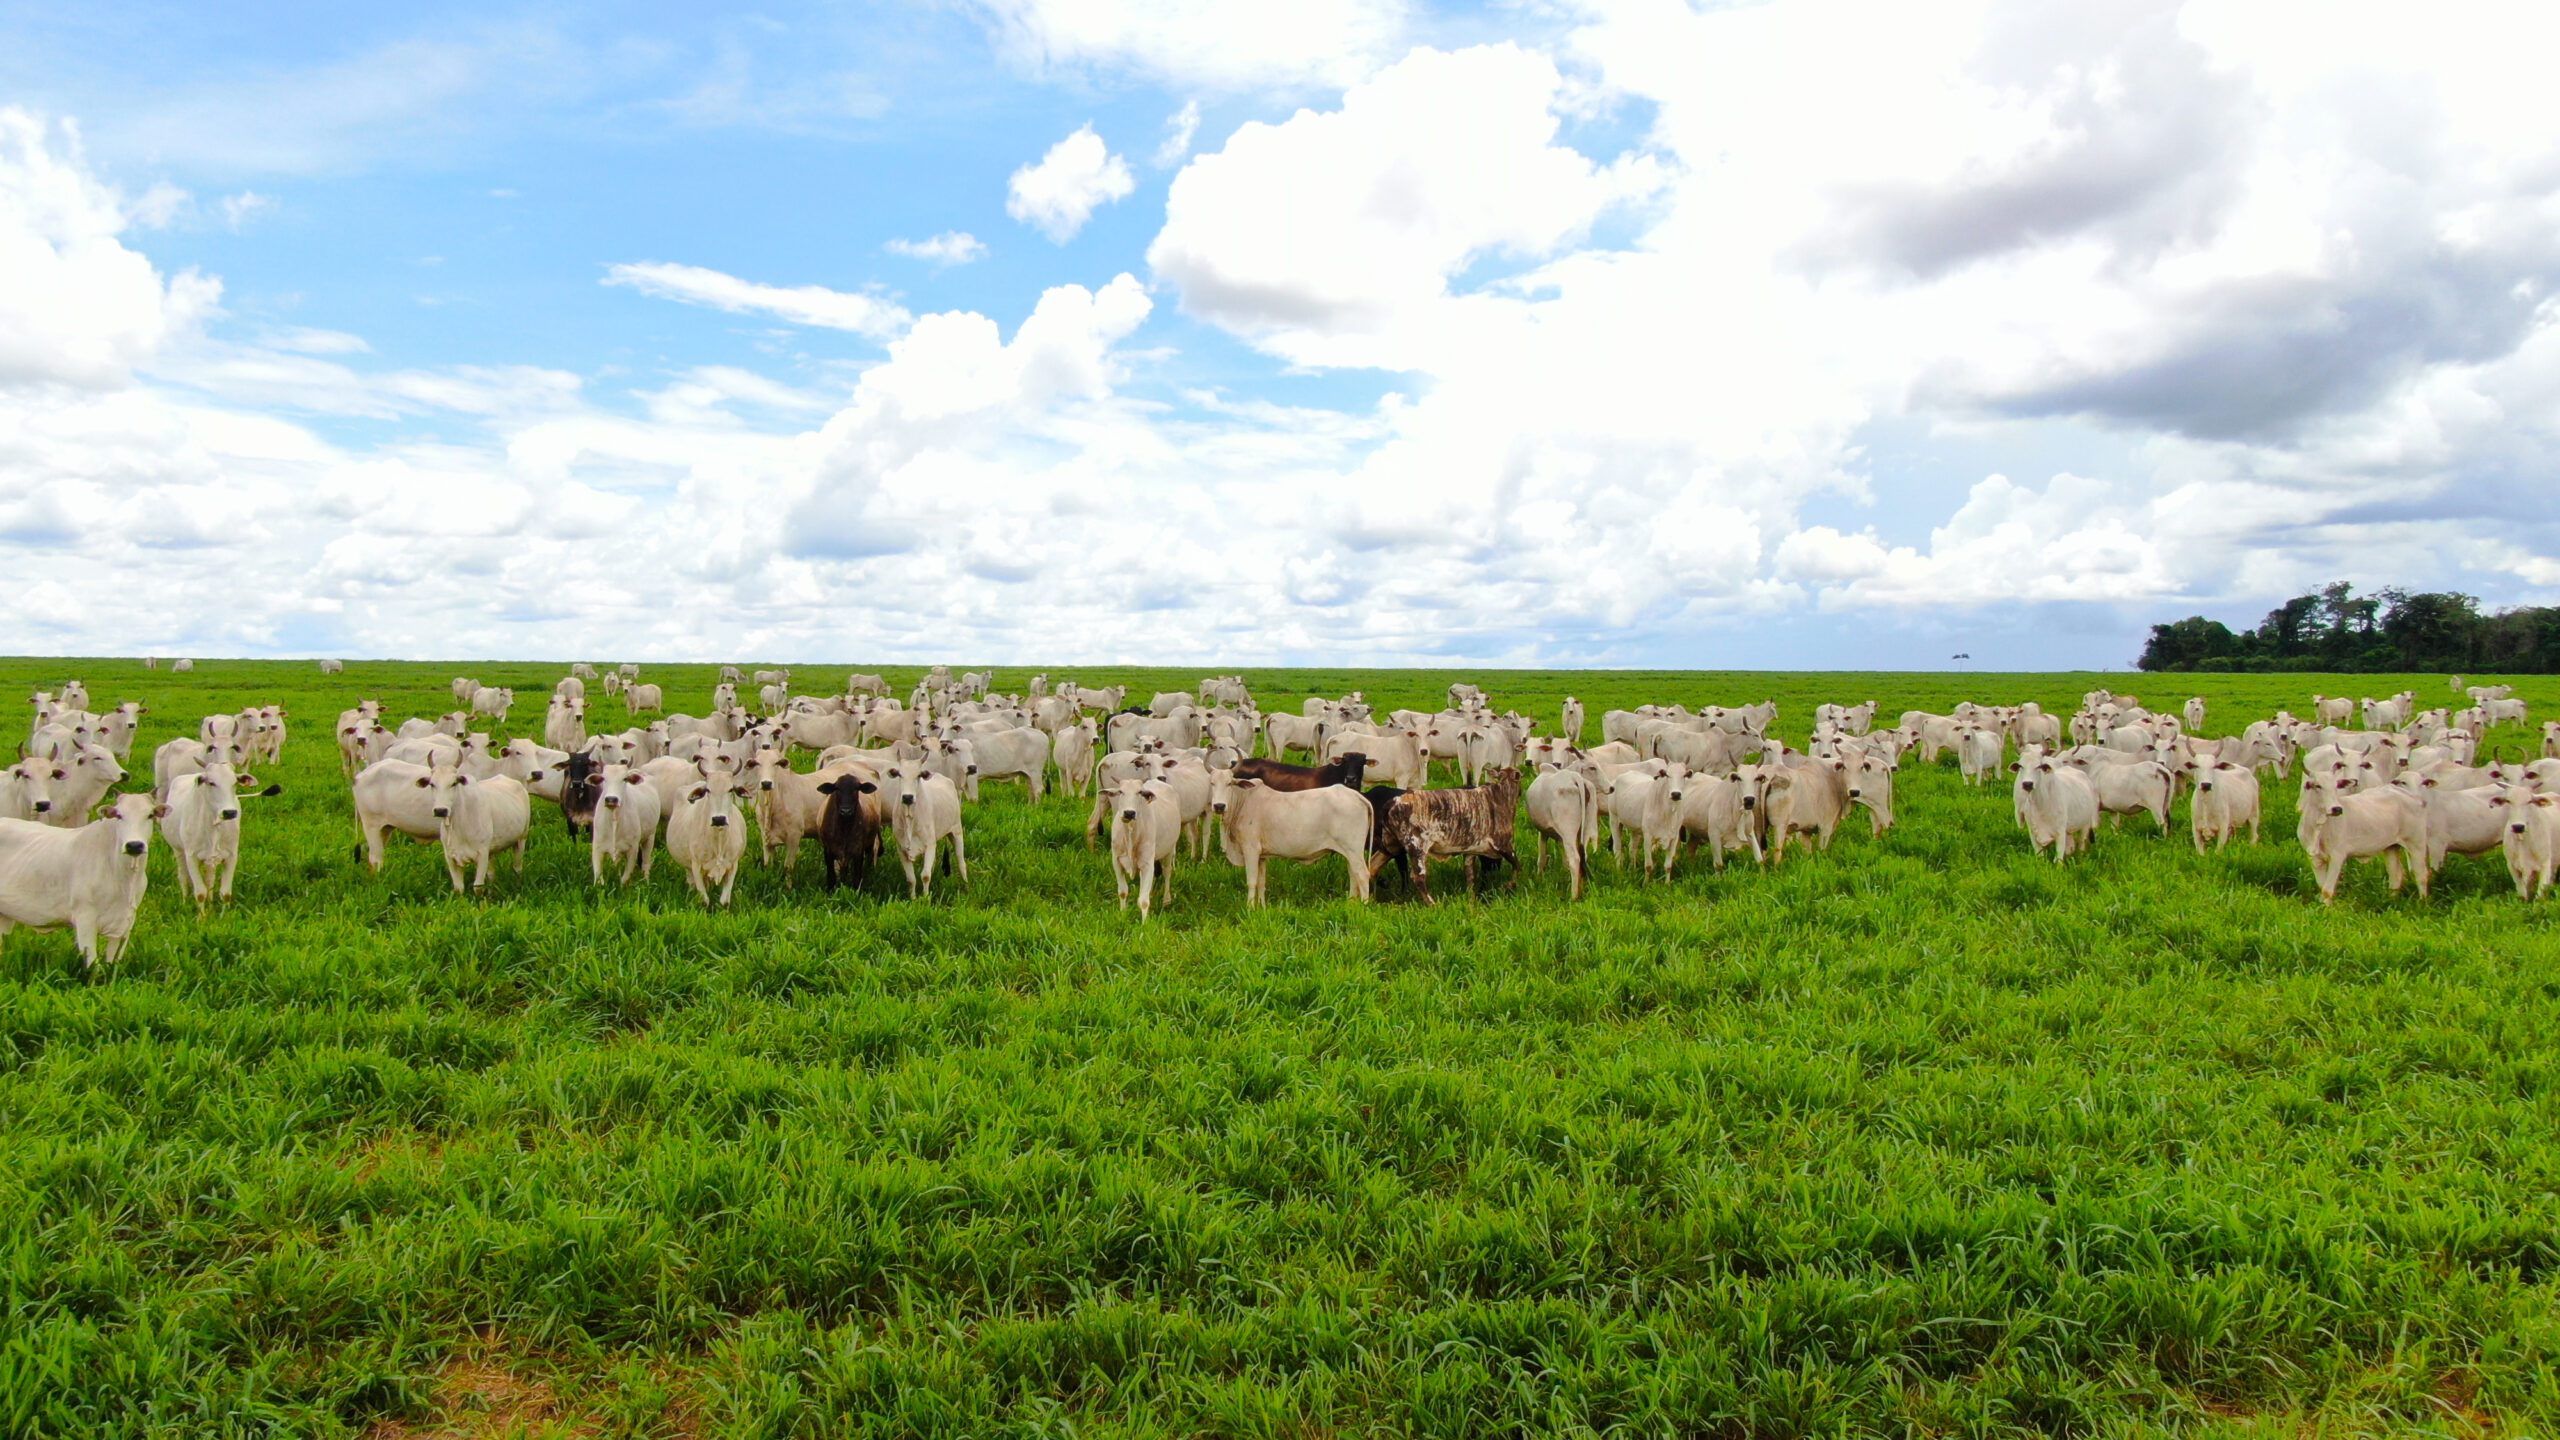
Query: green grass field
[1918, 1136]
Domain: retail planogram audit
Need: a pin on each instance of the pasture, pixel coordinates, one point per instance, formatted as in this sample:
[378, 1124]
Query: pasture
[1921, 1135]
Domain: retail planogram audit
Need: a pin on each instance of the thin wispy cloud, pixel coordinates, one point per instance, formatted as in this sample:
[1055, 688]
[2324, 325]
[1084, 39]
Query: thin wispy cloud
[796, 304]
[951, 247]
[1179, 128]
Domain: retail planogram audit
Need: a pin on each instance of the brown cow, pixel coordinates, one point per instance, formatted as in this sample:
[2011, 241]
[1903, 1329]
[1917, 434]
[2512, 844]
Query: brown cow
[1427, 825]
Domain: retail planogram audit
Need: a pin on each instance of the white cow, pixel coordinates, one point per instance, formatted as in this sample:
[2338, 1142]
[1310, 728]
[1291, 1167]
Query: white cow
[493, 702]
[924, 809]
[1560, 802]
[707, 835]
[26, 791]
[1284, 732]
[1569, 720]
[182, 756]
[1073, 751]
[644, 699]
[2143, 787]
[1646, 800]
[1726, 811]
[393, 795]
[328, 667]
[89, 878]
[1978, 752]
[115, 728]
[2389, 822]
[201, 821]
[477, 818]
[2226, 798]
[1482, 749]
[564, 725]
[182, 667]
[1257, 823]
[81, 779]
[1146, 839]
[1870, 779]
[626, 823]
[1394, 759]
[2461, 822]
[2532, 843]
[1018, 754]
[2057, 805]
[1811, 798]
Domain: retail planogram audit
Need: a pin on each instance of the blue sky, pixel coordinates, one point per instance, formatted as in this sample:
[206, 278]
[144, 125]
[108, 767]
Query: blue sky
[1607, 332]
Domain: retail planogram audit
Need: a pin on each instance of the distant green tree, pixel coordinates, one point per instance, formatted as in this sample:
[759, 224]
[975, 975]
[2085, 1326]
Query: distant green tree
[2390, 629]
[2432, 630]
[2290, 628]
[2188, 643]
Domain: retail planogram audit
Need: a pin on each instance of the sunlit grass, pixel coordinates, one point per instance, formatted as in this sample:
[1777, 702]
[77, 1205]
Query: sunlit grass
[1921, 1135]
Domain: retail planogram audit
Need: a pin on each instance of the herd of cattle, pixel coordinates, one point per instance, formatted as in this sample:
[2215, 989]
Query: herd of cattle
[1187, 768]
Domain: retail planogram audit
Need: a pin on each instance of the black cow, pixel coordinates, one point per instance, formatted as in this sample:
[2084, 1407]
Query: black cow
[1281, 775]
[578, 792]
[848, 835]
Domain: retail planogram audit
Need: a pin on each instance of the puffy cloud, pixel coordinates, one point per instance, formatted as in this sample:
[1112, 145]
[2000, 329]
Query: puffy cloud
[76, 306]
[2305, 303]
[1218, 44]
[1061, 192]
[2284, 286]
[951, 247]
[1332, 227]
[798, 304]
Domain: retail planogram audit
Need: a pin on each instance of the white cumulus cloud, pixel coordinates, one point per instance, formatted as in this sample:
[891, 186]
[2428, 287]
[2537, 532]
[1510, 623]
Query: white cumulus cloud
[1060, 193]
[76, 305]
[1334, 226]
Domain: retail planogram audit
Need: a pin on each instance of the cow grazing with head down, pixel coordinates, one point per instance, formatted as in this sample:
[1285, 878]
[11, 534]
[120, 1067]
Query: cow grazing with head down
[1472, 824]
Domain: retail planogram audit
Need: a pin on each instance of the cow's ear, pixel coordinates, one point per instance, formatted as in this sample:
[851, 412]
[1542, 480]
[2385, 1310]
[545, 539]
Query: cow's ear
[866, 787]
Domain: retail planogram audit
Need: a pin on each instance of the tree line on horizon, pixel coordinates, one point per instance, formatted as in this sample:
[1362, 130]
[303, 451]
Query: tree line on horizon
[2390, 629]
